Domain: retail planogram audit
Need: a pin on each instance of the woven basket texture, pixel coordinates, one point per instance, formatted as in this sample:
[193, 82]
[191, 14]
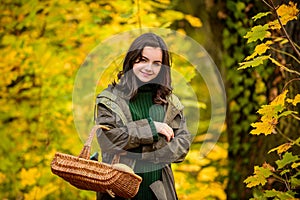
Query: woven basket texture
[92, 175]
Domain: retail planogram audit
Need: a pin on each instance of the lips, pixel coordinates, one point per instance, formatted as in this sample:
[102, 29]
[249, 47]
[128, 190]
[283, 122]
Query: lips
[146, 74]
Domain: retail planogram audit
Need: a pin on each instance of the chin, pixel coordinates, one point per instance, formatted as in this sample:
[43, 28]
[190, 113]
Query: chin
[145, 80]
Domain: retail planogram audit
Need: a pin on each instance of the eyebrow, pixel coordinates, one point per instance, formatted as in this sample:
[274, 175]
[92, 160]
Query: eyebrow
[144, 57]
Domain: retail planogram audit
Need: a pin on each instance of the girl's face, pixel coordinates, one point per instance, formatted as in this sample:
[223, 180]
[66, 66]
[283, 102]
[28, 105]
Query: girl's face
[148, 66]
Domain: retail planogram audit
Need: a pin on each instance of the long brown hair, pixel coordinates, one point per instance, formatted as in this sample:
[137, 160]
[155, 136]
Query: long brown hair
[128, 82]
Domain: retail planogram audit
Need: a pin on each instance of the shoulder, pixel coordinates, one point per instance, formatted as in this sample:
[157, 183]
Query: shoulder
[110, 99]
[107, 97]
[108, 93]
[174, 100]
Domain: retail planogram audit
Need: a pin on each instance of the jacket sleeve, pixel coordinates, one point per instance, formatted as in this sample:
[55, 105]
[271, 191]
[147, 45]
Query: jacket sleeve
[173, 151]
[121, 136]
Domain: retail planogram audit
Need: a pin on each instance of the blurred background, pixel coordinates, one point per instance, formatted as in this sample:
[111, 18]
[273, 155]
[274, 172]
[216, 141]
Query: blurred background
[44, 43]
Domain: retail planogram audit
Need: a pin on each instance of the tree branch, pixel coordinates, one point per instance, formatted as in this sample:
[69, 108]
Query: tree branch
[286, 84]
[267, 4]
[283, 135]
[286, 53]
[283, 29]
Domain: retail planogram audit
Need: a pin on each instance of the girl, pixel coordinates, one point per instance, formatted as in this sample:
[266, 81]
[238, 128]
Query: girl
[147, 126]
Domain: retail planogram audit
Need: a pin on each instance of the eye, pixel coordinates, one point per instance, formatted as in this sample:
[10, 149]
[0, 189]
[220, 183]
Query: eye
[157, 64]
[141, 60]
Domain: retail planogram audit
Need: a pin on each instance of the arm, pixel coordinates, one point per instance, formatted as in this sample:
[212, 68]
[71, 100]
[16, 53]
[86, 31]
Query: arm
[120, 136]
[176, 149]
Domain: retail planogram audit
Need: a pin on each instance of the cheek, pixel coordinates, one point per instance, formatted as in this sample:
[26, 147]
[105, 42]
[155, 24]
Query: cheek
[157, 70]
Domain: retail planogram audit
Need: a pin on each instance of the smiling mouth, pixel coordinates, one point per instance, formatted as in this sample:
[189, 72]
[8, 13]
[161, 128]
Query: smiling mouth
[146, 74]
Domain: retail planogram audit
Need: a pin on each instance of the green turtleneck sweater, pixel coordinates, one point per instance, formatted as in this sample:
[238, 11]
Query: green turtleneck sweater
[142, 107]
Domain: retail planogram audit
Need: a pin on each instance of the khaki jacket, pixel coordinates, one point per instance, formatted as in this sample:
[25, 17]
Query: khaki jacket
[125, 134]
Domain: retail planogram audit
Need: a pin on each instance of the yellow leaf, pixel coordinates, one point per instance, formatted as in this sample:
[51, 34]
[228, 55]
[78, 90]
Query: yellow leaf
[40, 192]
[282, 148]
[284, 41]
[217, 153]
[165, 1]
[181, 180]
[171, 15]
[188, 168]
[194, 21]
[296, 100]
[260, 49]
[29, 177]
[211, 190]
[276, 62]
[265, 127]
[195, 158]
[260, 176]
[280, 99]
[286, 13]
[182, 31]
[295, 165]
[274, 24]
[253, 63]
[267, 112]
[208, 174]
[270, 114]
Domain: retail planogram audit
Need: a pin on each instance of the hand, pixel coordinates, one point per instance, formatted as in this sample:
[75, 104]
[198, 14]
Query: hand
[164, 129]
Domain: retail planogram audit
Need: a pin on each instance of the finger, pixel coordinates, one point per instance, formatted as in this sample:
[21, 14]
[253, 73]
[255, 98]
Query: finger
[169, 136]
[166, 134]
[170, 132]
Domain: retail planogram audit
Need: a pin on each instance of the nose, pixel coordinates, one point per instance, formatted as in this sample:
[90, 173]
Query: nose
[148, 67]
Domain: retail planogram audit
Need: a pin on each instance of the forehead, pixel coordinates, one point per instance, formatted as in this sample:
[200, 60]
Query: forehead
[152, 53]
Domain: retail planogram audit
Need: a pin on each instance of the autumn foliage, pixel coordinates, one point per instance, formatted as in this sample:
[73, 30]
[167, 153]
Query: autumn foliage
[287, 168]
[44, 43]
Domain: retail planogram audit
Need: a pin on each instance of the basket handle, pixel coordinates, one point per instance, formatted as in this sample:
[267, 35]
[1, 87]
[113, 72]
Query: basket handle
[85, 152]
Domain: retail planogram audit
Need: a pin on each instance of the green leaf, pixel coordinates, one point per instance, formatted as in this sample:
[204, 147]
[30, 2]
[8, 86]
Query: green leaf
[295, 182]
[286, 159]
[297, 141]
[284, 172]
[253, 63]
[259, 178]
[263, 171]
[286, 113]
[270, 111]
[253, 181]
[240, 6]
[257, 33]
[260, 15]
[279, 194]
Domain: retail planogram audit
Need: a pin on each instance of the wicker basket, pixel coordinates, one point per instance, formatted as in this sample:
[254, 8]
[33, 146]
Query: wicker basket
[87, 174]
